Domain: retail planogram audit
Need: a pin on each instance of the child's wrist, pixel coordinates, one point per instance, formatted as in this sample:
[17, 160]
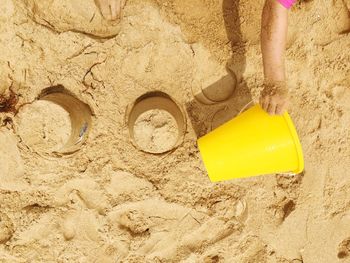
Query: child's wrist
[287, 3]
[272, 88]
[275, 82]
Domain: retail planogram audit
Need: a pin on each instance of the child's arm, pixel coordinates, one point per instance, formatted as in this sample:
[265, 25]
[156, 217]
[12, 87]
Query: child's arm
[110, 9]
[274, 97]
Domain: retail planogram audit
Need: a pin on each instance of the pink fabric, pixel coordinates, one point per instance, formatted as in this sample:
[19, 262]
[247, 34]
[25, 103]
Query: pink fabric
[287, 3]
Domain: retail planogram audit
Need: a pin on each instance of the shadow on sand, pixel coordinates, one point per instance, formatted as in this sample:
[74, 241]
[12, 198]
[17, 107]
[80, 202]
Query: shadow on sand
[207, 110]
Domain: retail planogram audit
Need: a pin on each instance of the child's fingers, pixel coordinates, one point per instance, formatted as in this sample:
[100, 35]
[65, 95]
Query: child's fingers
[280, 108]
[114, 9]
[272, 107]
[261, 101]
[110, 9]
[104, 11]
[264, 102]
[104, 8]
[118, 3]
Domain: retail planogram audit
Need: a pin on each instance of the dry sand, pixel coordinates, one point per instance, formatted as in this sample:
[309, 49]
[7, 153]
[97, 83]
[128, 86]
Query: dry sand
[110, 202]
[156, 131]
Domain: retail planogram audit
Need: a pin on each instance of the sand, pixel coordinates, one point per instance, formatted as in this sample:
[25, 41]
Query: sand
[156, 131]
[111, 202]
[44, 125]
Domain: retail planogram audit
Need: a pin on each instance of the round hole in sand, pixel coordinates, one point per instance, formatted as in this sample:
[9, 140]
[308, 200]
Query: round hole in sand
[156, 123]
[219, 91]
[57, 122]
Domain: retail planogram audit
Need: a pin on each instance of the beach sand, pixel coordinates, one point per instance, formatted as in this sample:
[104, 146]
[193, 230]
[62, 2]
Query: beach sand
[73, 186]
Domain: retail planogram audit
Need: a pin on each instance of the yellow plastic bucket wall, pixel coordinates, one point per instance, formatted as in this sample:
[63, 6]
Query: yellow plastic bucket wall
[254, 143]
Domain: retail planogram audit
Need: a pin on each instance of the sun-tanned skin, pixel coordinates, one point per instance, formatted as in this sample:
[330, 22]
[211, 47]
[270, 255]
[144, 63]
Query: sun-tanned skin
[110, 9]
[274, 22]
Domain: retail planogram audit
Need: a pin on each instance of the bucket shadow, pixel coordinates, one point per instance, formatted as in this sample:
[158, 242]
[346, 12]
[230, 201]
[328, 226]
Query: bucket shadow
[206, 117]
[204, 112]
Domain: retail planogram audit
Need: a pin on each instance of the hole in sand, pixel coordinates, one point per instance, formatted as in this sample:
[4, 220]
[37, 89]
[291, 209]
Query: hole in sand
[156, 123]
[57, 122]
[217, 92]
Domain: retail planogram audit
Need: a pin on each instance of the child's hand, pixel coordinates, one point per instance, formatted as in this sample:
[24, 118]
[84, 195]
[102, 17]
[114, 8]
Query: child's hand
[110, 9]
[274, 98]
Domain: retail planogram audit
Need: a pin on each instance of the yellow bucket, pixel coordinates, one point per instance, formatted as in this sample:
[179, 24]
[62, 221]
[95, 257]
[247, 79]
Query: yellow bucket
[253, 143]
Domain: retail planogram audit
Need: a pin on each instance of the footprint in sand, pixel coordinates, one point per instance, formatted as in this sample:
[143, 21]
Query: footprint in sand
[67, 15]
[344, 249]
[81, 229]
[174, 231]
[6, 228]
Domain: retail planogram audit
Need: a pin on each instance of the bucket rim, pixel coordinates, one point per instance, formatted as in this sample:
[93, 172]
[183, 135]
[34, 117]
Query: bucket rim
[296, 141]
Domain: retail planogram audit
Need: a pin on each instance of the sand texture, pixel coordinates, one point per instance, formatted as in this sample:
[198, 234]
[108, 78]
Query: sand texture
[108, 201]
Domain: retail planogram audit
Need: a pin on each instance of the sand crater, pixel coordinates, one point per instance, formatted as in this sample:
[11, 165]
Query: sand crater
[57, 122]
[156, 123]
